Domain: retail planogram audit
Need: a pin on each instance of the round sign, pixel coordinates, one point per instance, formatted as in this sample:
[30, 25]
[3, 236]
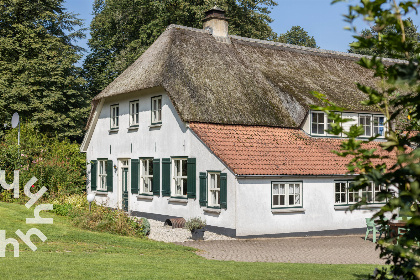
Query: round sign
[15, 120]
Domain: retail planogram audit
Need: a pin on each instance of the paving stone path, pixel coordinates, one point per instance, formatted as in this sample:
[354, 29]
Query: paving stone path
[350, 249]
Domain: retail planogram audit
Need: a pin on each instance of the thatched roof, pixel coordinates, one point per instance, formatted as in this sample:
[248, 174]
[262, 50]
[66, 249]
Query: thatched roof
[246, 81]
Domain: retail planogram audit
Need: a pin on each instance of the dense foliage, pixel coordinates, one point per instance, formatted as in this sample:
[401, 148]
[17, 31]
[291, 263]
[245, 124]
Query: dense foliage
[381, 34]
[396, 96]
[57, 164]
[100, 218]
[122, 30]
[38, 76]
[297, 36]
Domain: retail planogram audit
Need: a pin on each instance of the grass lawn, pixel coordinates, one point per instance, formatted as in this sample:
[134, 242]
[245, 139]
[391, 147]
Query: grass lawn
[72, 253]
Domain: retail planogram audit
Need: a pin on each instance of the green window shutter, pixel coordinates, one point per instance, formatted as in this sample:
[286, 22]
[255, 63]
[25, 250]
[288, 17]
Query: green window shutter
[109, 173]
[93, 172]
[223, 190]
[203, 189]
[191, 177]
[156, 176]
[135, 176]
[166, 177]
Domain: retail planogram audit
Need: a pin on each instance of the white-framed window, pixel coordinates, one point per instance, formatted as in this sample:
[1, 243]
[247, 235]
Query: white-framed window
[156, 109]
[115, 111]
[179, 179]
[379, 125]
[102, 175]
[373, 125]
[286, 194]
[213, 189]
[319, 123]
[134, 113]
[366, 122]
[344, 196]
[146, 176]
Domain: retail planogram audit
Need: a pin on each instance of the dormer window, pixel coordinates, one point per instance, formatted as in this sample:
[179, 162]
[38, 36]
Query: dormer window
[373, 125]
[319, 123]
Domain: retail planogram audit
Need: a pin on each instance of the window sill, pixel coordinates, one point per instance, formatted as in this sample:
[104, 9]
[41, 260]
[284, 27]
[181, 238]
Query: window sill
[133, 128]
[155, 125]
[288, 210]
[369, 206]
[113, 130]
[212, 210]
[178, 200]
[101, 193]
[145, 196]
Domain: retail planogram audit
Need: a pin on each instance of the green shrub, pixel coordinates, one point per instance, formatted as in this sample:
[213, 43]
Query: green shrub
[57, 164]
[145, 226]
[195, 223]
[62, 209]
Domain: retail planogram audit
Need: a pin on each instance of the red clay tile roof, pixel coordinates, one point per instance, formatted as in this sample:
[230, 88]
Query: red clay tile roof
[262, 150]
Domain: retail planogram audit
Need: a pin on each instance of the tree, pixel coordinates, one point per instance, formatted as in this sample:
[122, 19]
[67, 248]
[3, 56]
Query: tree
[297, 36]
[386, 34]
[397, 96]
[122, 30]
[38, 76]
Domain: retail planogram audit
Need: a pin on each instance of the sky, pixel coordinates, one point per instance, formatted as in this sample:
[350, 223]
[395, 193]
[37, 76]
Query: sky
[323, 21]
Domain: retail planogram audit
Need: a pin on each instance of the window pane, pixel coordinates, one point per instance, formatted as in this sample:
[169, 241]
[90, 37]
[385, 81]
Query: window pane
[184, 167]
[291, 189]
[282, 202]
[291, 200]
[177, 168]
[275, 200]
[314, 128]
[276, 189]
[314, 117]
[184, 186]
[282, 189]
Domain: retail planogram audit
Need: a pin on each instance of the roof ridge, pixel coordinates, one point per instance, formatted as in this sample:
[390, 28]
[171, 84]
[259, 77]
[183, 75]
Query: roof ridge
[284, 45]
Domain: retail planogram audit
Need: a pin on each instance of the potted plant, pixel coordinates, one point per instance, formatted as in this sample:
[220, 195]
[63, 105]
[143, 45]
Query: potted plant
[196, 226]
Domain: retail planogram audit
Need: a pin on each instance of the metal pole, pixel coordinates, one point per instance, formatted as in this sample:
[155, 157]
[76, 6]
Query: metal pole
[89, 206]
[19, 141]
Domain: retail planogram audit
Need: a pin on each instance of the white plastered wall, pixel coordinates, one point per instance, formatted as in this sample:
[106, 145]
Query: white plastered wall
[255, 216]
[172, 138]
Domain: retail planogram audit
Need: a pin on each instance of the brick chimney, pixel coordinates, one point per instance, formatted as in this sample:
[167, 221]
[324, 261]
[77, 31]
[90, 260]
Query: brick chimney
[216, 22]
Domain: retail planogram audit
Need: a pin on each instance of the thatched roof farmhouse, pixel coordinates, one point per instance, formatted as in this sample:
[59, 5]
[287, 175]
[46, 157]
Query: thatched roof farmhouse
[219, 126]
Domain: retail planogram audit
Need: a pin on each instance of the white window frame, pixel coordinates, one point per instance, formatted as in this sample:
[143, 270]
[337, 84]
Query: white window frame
[318, 123]
[297, 196]
[157, 109]
[326, 122]
[352, 197]
[134, 113]
[102, 177]
[367, 127]
[376, 125]
[146, 176]
[179, 181]
[114, 116]
[213, 188]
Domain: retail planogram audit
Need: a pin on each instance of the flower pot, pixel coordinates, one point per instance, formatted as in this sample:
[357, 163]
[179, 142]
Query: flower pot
[198, 234]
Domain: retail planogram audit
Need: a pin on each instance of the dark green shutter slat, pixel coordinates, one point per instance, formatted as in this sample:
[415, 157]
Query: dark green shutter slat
[203, 189]
[156, 176]
[109, 174]
[135, 176]
[223, 190]
[93, 170]
[191, 178]
[166, 177]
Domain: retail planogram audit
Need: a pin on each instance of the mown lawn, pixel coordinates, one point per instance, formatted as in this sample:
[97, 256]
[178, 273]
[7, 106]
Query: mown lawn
[72, 253]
